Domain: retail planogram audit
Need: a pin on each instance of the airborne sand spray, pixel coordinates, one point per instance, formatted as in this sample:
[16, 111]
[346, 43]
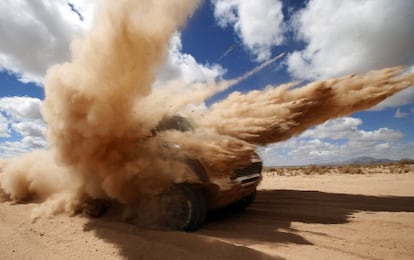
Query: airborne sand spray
[100, 109]
[90, 102]
[93, 123]
[278, 113]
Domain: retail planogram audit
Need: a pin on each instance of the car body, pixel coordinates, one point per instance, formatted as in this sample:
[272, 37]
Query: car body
[185, 204]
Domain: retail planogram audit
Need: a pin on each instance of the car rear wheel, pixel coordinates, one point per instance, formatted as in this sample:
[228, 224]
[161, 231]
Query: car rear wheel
[183, 207]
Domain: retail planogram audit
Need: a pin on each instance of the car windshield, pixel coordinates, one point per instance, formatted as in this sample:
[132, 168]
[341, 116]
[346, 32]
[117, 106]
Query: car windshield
[179, 123]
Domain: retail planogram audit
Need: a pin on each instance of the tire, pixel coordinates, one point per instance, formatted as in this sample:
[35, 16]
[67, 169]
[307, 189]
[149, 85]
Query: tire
[95, 207]
[183, 207]
[242, 204]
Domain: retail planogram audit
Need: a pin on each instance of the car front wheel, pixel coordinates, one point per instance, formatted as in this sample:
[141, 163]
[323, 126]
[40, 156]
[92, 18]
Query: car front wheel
[183, 207]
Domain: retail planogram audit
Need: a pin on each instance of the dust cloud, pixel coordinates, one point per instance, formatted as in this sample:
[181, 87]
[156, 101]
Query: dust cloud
[278, 113]
[101, 107]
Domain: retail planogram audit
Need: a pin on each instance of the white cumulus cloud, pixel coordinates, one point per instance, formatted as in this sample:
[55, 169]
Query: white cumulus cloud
[401, 98]
[347, 128]
[259, 24]
[30, 128]
[36, 34]
[4, 126]
[352, 36]
[20, 117]
[340, 128]
[184, 67]
[19, 108]
[338, 140]
[400, 114]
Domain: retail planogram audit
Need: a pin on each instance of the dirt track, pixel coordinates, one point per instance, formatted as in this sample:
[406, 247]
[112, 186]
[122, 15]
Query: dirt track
[301, 217]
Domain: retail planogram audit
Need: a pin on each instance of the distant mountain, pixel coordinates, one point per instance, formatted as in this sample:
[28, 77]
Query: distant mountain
[366, 160]
[363, 160]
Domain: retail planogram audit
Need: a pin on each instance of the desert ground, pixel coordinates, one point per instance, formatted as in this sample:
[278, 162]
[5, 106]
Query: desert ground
[296, 215]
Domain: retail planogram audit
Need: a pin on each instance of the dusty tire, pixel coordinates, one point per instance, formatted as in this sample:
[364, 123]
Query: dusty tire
[183, 207]
[95, 207]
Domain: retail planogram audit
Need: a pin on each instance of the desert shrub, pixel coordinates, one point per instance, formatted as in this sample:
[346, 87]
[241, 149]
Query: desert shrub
[310, 169]
[353, 169]
[387, 168]
[405, 162]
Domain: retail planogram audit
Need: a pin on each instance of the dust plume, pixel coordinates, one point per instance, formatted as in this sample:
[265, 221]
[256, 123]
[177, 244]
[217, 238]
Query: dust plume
[93, 122]
[32, 178]
[278, 113]
[90, 102]
[174, 96]
[101, 109]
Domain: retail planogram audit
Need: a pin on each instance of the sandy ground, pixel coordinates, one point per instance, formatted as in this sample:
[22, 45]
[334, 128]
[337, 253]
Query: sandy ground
[299, 217]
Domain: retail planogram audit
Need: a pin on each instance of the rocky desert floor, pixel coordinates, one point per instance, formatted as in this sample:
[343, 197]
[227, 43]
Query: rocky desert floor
[296, 216]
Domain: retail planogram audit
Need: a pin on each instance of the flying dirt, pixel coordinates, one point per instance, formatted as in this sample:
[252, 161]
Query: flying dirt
[101, 109]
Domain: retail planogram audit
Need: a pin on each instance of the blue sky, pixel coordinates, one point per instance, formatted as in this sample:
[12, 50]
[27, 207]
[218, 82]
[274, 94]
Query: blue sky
[224, 39]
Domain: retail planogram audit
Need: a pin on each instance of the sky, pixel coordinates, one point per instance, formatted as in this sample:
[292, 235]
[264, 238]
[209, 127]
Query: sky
[222, 40]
